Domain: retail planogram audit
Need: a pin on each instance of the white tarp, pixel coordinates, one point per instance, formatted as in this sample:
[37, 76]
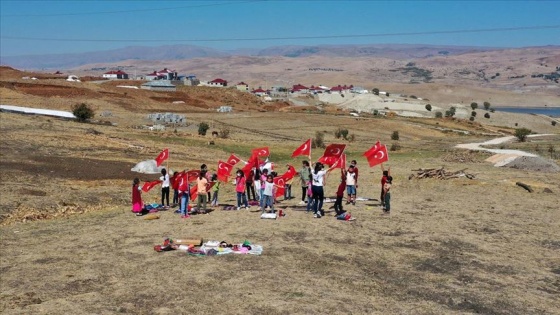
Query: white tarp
[147, 167]
[38, 111]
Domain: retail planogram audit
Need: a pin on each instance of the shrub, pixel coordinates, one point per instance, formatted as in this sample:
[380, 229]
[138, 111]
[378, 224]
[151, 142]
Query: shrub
[473, 114]
[202, 128]
[395, 135]
[429, 107]
[352, 137]
[223, 133]
[375, 91]
[474, 105]
[522, 133]
[395, 147]
[486, 115]
[375, 112]
[551, 150]
[82, 112]
[439, 114]
[486, 105]
[319, 140]
[471, 118]
[340, 132]
[553, 122]
[413, 96]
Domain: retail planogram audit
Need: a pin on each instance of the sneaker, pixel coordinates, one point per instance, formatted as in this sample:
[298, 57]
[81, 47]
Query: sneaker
[247, 208]
[317, 215]
[238, 208]
[185, 216]
[302, 202]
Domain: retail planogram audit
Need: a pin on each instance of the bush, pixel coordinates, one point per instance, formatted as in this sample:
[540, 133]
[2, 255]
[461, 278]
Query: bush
[474, 105]
[395, 147]
[223, 133]
[340, 132]
[486, 105]
[551, 150]
[522, 133]
[375, 112]
[319, 140]
[375, 91]
[473, 114]
[352, 137]
[82, 112]
[486, 115]
[439, 114]
[471, 118]
[413, 96]
[429, 107]
[395, 135]
[202, 128]
[553, 122]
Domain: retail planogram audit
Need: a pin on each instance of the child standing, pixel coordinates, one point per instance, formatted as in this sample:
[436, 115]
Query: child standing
[183, 188]
[164, 187]
[317, 188]
[387, 195]
[386, 173]
[240, 190]
[264, 175]
[215, 190]
[173, 180]
[202, 184]
[351, 185]
[136, 196]
[268, 194]
[340, 193]
[249, 186]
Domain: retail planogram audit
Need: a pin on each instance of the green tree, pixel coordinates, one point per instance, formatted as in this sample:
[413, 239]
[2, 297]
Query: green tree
[439, 114]
[553, 122]
[375, 91]
[474, 105]
[471, 118]
[82, 112]
[473, 113]
[202, 128]
[395, 135]
[319, 140]
[486, 115]
[486, 105]
[429, 107]
[522, 133]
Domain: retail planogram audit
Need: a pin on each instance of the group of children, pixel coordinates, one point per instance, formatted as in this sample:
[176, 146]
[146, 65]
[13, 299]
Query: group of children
[262, 188]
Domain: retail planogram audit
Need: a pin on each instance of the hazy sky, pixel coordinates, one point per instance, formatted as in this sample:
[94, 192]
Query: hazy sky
[39, 27]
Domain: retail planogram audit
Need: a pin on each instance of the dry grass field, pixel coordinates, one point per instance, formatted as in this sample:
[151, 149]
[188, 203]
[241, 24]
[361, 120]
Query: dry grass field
[70, 244]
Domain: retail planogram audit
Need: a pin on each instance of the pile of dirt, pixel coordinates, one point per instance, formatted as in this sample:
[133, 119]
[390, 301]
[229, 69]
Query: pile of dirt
[535, 163]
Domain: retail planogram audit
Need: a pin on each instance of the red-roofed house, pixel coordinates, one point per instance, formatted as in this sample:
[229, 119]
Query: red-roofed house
[242, 86]
[217, 82]
[300, 89]
[116, 75]
[341, 89]
[164, 74]
[259, 92]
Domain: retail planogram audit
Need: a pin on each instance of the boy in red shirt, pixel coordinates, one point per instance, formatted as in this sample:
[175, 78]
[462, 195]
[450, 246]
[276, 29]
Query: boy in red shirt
[340, 193]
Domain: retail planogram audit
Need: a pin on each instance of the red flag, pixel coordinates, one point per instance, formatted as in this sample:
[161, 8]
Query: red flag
[224, 170]
[280, 183]
[328, 160]
[194, 190]
[149, 185]
[261, 151]
[340, 163]
[334, 150]
[192, 175]
[373, 149]
[182, 183]
[233, 159]
[290, 173]
[304, 149]
[247, 170]
[162, 157]
[379, 157]
[176, 179]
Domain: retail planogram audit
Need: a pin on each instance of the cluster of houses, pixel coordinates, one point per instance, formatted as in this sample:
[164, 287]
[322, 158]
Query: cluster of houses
[167, 80]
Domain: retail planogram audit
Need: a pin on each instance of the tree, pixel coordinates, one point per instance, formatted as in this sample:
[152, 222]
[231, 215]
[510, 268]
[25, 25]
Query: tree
[486, 115]
[439, 115]
[471, 118]
[553, 122]
[486, 105]
[474, 105]
[429, 107]
[318, 141]
[473, 114]
[522, 133]
[375, 91]
[395, 135]
[202, 128]
[82, 112]
[450, 112]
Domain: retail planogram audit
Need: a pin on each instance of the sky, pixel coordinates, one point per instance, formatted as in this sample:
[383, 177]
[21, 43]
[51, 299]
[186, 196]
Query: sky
[53, 27]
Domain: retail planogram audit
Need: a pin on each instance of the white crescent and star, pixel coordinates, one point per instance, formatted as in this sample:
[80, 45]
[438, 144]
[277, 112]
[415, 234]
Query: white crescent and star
[223, 167]
[263, 152]
[337, 152]
[379, 153]
[304, 147]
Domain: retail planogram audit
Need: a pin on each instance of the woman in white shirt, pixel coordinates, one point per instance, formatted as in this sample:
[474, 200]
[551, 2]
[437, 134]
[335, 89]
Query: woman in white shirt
[317, 184]
[164, 187]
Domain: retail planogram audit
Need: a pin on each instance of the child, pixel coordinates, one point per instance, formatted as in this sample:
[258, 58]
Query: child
[340, 193]
[268, 194]
[240, 190]
[317, 188]
[215, 190]
[387, 195]
[351, 185]
[309, 194]
[202, 184]
[264, 175]
[249, 186]
[257, 183]
[175, 190]
[386, 173]
[164, 187]
[183, 188]
[136, 196]
[354, 163]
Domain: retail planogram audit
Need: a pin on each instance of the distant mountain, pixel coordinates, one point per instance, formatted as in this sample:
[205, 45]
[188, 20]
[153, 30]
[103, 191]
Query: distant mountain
[186, 52]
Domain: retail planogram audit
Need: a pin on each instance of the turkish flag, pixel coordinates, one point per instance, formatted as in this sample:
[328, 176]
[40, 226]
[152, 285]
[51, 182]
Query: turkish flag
[182, 182]
[224, 170]
[334, 150]
[162, 157]
[261, 151]
[175, 179]
[304, 149]
[378, 157]
[233, 159]
[149, 185]
[194, 190]
[192, 175]
[328, 160]
[290, 173]
[247, 170]
[340, 163]
[373, 149]
[280, 182]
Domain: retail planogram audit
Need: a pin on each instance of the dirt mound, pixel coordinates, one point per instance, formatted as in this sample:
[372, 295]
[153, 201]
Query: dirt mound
[534, 164]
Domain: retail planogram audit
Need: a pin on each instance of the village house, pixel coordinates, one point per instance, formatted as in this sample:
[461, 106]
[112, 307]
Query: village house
[218, 82]
[164, 74]
[242, 86]
[224, 109]
[318, 89]
[359, 90]
[159, 85]
[260, 92]
[341, 89]
[118, 74]
[299, 89]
